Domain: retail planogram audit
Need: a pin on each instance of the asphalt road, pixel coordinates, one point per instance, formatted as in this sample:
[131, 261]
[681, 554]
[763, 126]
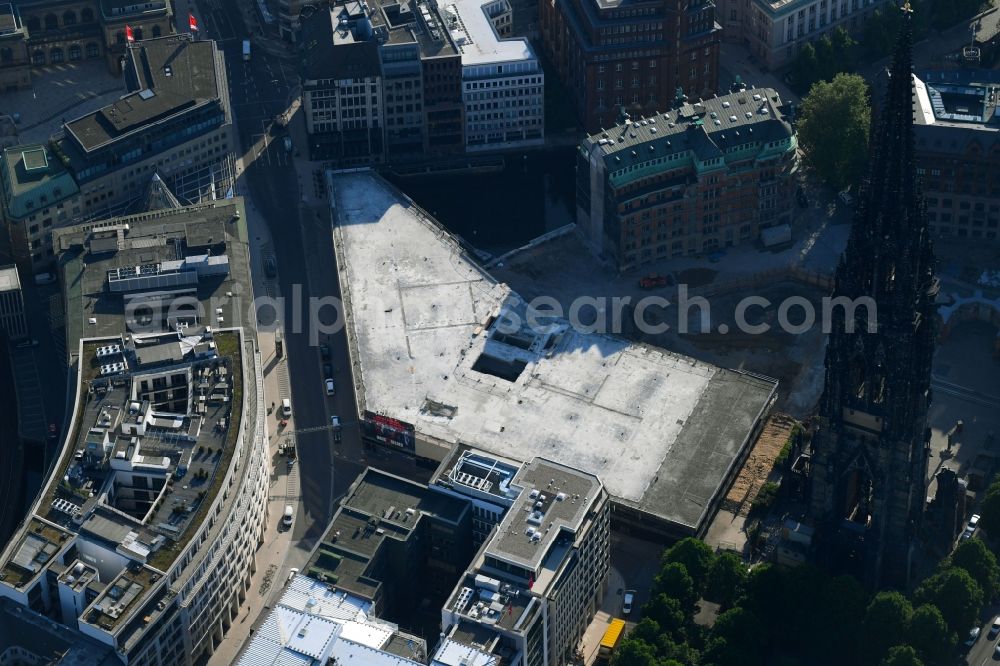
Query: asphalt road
[259, 90]
[983, 652]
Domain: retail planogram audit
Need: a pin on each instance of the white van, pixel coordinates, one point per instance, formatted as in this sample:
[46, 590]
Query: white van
[286, 407]
[286, 520]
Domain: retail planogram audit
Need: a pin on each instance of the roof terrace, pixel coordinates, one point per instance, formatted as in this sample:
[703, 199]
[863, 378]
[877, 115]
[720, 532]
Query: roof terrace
[122, 595]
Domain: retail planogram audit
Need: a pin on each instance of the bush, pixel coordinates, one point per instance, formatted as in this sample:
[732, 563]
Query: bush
[766, 497]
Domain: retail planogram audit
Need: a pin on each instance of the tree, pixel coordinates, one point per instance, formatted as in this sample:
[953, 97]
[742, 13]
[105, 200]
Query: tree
[976, 558]
[833, 128]
[885, 623]
[667, 613]
[634, 652]
[902, 655]
[928, 634]
[696, 556]
[674, 581]
[726, 579]
[843, 45]
[738, 639]
[836, 621]
[828, 66]
[957, 596]
[805, 68]
[990, 511]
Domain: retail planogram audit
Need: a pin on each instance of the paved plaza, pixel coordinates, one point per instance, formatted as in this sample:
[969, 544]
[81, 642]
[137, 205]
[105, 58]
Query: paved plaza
[60, 92]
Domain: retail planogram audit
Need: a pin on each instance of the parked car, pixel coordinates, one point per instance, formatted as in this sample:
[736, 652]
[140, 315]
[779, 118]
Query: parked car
[628, 601]
[327, 370]
[652, 281]
[970, 528]
[337, 430]
[270, 267]
[329, 386]
[995, 627]
[286, 407]
[973, 637]
[286, 519]
[324, 351]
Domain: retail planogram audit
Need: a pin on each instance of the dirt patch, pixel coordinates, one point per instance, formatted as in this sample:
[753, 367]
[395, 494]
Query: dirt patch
[696, 277]
[759, 463]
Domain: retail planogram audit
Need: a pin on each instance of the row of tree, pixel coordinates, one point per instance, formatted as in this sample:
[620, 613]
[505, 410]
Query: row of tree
[838, 52]
[798, 616]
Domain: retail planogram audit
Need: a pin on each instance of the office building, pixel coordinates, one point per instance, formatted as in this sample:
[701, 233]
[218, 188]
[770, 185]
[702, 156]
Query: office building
[630, 56]
[775, 30]
[503, 84]
[392, 82]
[387, 530]
[535, 586]
[688, 181]
[452, 357]
[39, 33]
[12, 321]
[174, 121]
[38, 194]
[31, 638]
[143, 537]
[484, 480]
[313, 624]
[957, 135]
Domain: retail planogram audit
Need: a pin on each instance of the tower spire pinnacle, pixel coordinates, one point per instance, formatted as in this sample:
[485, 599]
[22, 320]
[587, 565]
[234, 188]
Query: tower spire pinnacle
[870, 457]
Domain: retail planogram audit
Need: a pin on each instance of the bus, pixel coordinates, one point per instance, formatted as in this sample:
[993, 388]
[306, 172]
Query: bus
[612, 637]
[246, 49]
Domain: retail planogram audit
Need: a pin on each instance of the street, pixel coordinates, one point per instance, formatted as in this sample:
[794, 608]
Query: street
[984, 650]
[301, 243]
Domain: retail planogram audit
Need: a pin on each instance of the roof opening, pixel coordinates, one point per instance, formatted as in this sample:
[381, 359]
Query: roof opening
[508, 370]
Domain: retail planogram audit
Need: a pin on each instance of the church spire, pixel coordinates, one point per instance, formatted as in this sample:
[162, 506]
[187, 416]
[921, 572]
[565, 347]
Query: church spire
[869, 455]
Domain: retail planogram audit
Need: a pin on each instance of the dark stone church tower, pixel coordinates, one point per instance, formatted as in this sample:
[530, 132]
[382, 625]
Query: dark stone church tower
[868, 465]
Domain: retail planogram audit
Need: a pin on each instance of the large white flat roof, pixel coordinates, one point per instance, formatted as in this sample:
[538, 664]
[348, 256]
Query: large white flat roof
[482, 45]
[659, 429]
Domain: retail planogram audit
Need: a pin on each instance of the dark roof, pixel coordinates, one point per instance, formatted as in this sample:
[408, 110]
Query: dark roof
[8, 20]
[165, 76]
[322, 59]
[707, 127]
[21, 627]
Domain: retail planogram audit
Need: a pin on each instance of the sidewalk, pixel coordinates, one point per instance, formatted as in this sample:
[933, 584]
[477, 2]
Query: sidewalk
[272, 558]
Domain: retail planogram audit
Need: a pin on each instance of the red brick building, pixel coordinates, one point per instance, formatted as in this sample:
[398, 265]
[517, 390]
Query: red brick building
[631, 53]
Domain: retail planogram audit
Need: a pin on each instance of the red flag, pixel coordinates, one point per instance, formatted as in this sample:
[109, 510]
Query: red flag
[531, 582]
[129, 37]
[192, 23]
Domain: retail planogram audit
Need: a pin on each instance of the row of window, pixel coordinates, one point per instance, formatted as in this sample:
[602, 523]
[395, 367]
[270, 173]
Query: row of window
[57, 54]
[51, 21]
